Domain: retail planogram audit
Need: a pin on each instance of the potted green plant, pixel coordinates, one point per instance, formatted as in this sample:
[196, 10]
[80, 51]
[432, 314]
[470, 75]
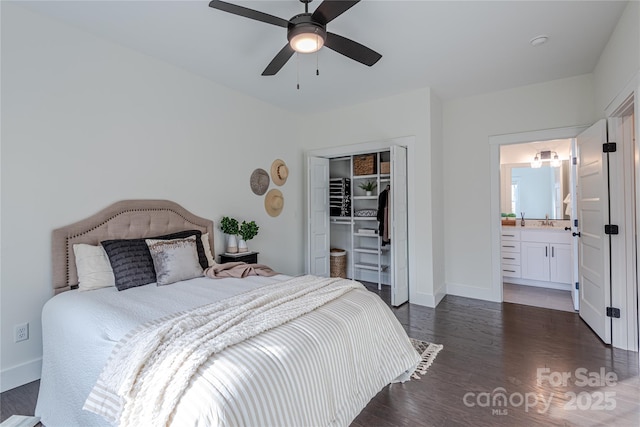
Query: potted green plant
[368, 187]
[247, 231]
[231, 228]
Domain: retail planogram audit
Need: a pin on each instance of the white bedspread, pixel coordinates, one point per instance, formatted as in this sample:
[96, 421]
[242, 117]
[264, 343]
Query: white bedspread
[319, 369]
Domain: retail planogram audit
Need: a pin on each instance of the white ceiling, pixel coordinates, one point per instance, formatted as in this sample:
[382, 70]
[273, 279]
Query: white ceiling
[458, 48]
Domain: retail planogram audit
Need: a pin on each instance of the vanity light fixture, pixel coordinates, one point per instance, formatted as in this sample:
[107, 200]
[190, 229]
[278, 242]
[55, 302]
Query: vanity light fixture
[546, 156]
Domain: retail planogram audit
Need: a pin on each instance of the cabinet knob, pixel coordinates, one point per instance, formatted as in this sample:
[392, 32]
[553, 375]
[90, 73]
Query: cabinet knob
[567, 228]
[574, 234]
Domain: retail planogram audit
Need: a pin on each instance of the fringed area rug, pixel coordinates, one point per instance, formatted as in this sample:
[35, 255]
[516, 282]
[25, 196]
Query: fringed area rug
[428, 353]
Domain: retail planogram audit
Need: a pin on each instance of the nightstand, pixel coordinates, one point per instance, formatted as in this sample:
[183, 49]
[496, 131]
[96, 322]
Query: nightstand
[248, 257]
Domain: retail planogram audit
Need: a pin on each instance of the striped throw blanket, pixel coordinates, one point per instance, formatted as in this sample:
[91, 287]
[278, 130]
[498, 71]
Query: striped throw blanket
[151, 367]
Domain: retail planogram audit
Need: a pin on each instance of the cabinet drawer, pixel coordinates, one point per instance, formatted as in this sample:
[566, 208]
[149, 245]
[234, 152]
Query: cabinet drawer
[511, 234]
[511, 271]
[510, 258]
[546, 236]
[508, 246]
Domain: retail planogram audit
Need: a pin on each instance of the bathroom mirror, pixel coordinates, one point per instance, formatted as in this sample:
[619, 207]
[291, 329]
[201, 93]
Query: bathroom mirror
[535, 191]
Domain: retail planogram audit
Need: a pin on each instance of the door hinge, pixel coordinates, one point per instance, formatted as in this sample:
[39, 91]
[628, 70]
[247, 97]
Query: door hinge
[613, 312]
[575, 223]
[574, 160]
[609, 147]
[610, 229]
[577, 285]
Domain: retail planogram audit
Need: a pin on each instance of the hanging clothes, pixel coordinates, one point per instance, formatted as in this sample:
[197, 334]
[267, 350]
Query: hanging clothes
[383, 216]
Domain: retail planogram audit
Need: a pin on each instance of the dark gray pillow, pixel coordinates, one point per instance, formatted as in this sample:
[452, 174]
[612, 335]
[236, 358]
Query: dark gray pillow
[132, 263]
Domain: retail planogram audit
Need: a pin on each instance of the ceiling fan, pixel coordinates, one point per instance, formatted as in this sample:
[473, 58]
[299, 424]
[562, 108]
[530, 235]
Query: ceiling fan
[307, 32]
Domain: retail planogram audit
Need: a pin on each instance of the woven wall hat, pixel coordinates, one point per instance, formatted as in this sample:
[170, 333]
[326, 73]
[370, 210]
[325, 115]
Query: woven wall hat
[259, 181]
[279, 172]
[274, 202]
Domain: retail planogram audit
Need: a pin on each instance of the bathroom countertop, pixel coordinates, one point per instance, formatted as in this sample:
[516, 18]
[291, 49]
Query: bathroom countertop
[535, 225]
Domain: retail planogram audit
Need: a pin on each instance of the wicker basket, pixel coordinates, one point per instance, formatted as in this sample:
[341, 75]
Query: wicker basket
[364, 165]
[385, 167]
[338, 263]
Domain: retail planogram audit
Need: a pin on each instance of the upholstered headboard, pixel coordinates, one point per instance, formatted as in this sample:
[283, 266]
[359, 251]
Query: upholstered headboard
[127, 219]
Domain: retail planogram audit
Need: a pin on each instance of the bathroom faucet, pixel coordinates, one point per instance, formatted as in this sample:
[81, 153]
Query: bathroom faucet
[546, 221]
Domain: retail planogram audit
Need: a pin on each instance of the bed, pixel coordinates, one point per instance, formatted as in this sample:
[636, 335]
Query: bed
[320, 368]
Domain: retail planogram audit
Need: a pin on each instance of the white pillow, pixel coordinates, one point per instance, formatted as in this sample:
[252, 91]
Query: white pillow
[174, 260]
[207, 249]
[93, 266]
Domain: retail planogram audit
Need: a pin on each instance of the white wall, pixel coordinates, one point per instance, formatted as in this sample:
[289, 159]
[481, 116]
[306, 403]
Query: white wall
[620, 60]
[468, 123]
[87, 123]
[401, 115]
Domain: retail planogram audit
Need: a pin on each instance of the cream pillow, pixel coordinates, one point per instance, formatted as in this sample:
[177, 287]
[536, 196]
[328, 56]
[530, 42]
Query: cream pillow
[93, 266]
[207, 249]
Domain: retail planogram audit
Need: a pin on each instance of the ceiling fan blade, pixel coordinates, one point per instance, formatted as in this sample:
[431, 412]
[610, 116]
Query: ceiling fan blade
[331, 9]
[248, 13]
[278, 61]
[351, 49]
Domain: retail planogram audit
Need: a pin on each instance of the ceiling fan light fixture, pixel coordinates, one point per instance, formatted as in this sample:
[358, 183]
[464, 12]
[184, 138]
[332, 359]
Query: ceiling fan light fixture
[306, 42]
[305, 36]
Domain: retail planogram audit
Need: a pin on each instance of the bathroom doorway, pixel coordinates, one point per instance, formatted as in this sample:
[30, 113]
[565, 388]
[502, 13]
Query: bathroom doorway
[538, 257]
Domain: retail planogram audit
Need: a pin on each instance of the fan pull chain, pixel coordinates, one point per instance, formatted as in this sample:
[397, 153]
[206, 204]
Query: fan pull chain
[298, 70]
[317, 55]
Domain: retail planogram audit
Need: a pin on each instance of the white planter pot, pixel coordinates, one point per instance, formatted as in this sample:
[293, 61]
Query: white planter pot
[368, 193]
[242, 246]
[232, 244]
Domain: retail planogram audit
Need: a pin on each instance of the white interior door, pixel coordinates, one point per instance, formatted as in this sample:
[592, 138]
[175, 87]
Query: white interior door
[318, 236]
[575, 293]
[399, 228]
[593, 243]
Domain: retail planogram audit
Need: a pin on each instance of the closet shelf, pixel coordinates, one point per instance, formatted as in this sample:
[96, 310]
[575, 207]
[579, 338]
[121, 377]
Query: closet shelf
[374, 176]
[367, 250]
[366, 235]
[365, 197]
[373, 267]
[365, 218]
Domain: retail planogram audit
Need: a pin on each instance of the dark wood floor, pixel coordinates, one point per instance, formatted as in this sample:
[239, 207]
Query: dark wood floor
[488, 348]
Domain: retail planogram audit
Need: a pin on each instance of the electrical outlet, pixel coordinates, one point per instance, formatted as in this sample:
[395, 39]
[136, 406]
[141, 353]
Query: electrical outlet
[21, 332]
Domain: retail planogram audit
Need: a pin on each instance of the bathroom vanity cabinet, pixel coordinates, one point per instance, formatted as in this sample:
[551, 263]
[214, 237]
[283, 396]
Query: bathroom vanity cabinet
[537, 257]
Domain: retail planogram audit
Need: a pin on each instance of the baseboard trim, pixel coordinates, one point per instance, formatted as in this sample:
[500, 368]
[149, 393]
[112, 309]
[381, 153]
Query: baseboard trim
[20, 374]
[440, 293]
[474, 292]
[426, 300]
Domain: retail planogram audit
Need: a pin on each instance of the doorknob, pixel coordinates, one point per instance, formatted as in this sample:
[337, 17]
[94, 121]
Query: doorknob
[576, 234]
[567, 228]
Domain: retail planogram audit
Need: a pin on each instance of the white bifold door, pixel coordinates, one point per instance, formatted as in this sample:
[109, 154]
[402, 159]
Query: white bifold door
[399, 229]
[594, 261]
[318, 221]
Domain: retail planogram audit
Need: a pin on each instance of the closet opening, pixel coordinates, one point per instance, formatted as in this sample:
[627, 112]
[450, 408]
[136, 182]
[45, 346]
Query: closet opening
[358, 217]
